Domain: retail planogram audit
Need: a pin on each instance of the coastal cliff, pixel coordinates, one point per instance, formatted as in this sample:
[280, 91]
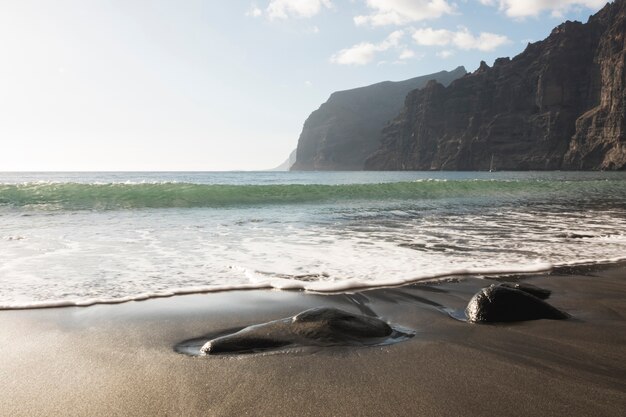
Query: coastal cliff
[287, 164]
[346, 129]
[560, 104]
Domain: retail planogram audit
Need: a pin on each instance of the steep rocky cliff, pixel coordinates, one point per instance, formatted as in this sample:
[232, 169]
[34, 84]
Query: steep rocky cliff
[347, 128]
[560, 104]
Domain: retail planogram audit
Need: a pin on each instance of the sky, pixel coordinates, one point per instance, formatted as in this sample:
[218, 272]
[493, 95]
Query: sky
[208, 85]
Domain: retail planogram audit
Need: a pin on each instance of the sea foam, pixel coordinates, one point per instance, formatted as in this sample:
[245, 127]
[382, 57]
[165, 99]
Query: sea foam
[121, 237]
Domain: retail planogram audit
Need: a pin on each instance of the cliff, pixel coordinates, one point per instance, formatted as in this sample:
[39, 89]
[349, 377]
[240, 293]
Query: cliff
[287, 164]
[348, 127]
[560, 104]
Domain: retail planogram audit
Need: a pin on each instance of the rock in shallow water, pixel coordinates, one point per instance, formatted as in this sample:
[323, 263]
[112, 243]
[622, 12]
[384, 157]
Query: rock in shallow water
[502, 303]
[322, 326]
[324, 323]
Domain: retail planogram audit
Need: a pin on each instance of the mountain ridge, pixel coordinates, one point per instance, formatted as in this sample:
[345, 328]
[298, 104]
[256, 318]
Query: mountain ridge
[347, 128]
[560, 104]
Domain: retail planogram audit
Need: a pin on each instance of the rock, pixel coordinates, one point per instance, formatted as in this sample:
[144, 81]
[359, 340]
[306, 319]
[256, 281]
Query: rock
[501, 303]
[599, 141]
[560, 104]
[332, 324]
[251, 339]
[321, 326]
[530, 289]
[348, 127]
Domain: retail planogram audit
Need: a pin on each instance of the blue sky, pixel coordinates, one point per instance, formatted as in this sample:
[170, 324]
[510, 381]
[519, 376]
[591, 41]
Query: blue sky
[215, 85]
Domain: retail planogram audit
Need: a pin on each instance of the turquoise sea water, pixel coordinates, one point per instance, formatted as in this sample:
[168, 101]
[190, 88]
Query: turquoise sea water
[87, 237]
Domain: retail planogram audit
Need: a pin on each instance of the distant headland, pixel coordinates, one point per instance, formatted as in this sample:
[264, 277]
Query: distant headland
[560, 104]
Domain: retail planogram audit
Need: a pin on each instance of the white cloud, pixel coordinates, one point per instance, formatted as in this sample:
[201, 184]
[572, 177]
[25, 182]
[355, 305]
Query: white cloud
[400, 12]
[254, 11]
[461, 39]
[359, 54]
[406, 54]
[392, 40]
[433, 37]
[446, 53]
[485, 41]
[363, 53]
[524, 8]
[282, 9]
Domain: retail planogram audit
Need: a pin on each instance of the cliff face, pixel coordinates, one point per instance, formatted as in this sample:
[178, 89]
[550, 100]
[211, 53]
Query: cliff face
[560, 104]
[285, 166]
[348, 127]
[600, 138]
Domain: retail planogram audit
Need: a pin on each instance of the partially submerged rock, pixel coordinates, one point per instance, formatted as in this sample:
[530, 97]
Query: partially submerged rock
[253, 338]
[322, 326]
[528, 288]
[324, 323]
[503, 303]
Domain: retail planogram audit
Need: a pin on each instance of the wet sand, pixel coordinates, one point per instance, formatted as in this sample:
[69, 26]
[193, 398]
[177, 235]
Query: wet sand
[120, 359]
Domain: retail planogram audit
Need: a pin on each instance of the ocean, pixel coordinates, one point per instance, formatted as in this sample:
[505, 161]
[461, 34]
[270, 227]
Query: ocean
[86, 238]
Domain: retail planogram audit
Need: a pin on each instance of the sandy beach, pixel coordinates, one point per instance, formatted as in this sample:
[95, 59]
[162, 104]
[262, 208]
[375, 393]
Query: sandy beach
[445, 237]
[120, 359]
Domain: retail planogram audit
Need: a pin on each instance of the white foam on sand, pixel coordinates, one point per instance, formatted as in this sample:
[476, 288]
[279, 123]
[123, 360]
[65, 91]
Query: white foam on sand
[78, 258]
[316, 286]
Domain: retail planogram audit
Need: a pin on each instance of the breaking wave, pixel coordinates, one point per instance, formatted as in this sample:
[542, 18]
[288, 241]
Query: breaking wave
[79, 196]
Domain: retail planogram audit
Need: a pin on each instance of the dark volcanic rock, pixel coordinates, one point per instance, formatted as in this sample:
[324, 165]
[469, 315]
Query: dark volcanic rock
[264, 336]
[530, 289]
[600, 137]
[348, 127]
[321, 326]
[560, 104]
[330, 323]
[500, 303]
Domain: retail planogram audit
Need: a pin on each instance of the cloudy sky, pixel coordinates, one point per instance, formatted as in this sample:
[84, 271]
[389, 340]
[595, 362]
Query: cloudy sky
[223, 85]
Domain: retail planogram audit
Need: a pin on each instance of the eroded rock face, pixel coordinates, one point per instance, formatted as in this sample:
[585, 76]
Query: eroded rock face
[502, 303]
[348, 127]
[322, 326]
[560, 104]
[600, 137]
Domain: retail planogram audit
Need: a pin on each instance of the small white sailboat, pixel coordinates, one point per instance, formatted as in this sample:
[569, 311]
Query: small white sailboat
[491, 169]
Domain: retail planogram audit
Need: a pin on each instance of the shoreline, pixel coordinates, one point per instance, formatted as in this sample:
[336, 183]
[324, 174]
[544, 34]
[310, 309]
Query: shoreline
[340, 287]
[120, 359]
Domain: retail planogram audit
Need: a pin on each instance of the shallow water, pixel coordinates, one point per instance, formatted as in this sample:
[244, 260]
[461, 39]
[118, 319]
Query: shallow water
[78, 238]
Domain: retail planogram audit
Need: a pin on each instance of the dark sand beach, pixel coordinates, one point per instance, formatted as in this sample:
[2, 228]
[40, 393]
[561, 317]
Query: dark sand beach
[120, 359]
